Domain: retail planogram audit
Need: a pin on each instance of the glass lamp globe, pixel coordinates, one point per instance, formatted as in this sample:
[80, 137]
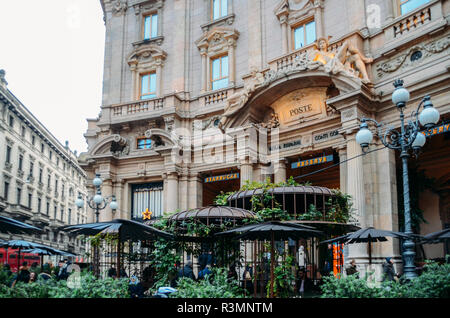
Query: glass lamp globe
[97, 181]
[98, 199]
[429, 116]
[364, 136]
[79, 202]
[419, 142]
[113, 205]
[400, 95]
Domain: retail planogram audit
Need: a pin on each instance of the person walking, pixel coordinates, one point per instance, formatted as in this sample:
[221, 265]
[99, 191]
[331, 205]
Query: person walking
[389, 273]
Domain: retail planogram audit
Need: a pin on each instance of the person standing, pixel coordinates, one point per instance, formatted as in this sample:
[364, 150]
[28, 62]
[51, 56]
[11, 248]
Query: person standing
[23, 275]
[351, 268]
[389, 273]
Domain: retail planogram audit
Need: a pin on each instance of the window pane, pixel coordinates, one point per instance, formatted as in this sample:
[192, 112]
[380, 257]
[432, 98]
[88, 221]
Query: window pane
[216, 9]
[154, 25]
[147, 27]
[411, 5]
[310, 32]
[145, 84]
[152, 83]
[299, 38]
[148, 96]
[225, 66]
[224, 7]
[216, 69]
[220, 84]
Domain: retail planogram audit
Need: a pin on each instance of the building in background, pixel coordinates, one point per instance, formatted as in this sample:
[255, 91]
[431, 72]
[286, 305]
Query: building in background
[40, 178]
[302, 72]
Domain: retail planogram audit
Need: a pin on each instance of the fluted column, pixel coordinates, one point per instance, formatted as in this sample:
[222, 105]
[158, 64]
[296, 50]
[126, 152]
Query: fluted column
[195, 191]
[106, 214]
[284, 34]
[204, 67]
[231, 58]
[246, 172]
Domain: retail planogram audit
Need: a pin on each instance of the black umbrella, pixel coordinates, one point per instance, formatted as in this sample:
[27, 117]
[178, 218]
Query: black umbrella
[8, 225]
[273, 230]
[125, 229]
[437, 237]
[366, 235]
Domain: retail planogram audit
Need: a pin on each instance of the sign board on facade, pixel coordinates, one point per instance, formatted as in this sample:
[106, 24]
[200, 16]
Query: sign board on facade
[224, 177]
[437, 130]
[286, 145]
[326, 136]
[312, 162]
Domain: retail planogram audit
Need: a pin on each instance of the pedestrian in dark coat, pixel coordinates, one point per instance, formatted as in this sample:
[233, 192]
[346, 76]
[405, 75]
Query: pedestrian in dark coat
[187, 271]
[389, 270]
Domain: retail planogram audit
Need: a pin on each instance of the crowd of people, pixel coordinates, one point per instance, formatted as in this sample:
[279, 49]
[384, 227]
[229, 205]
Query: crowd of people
[30, 274]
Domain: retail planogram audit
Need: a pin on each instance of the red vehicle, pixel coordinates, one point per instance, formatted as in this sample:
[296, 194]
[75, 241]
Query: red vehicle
[12, 258]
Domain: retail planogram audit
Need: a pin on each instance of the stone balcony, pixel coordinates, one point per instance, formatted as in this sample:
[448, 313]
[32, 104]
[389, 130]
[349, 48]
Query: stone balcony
[21, 212]
[426, 20]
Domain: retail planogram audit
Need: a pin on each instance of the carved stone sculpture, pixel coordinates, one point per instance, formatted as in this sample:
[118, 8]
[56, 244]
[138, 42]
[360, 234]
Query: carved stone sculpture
[236, 101]
[119, 146]
[346, 60]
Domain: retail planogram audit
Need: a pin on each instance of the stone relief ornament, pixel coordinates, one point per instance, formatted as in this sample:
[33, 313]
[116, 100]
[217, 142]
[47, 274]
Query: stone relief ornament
[274, 122]
[119, 7]
[404, 60]
[206, 124]
[120, 146]
[237, 100]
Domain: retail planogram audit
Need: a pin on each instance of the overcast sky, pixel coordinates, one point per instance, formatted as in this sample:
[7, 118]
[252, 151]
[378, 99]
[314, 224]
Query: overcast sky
[52, 52]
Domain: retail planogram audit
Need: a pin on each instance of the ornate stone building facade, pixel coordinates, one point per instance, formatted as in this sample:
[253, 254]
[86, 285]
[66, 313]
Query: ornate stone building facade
[40, 178]
[284, 81]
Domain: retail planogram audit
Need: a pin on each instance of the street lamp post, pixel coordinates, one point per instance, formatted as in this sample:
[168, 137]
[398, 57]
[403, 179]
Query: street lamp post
[97, 203]
[409, 138]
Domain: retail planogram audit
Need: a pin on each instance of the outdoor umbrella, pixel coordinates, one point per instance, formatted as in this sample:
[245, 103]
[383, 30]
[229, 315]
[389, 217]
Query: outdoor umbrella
[22, 244]
[125, 229]
[8, 225]
[273, 230]
[366, 235]
[49, 251]
[437, 237]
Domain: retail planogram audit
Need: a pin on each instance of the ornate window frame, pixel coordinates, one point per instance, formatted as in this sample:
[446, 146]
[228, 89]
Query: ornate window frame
[398, 4]
[214, 43]
[290, 16]
[146, 59]
[228, 19]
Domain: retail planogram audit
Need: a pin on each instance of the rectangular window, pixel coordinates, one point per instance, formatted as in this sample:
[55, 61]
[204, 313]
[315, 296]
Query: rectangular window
[40, 175]
[50, 154]
[20, 162]
[219, 9]
[49, 180]
[148, 86]
[33, 140]
[30, 200]
[11, 121]
[150, 26]
[42, 148]
[147, 196]
[19, 195]
[144, 143]
[6, 191]
[31, 169]
[8, 154]
[48, 208]
[39, 205]
[304, 34]
[219, 72]
[69, 216]
[407, 6]
[62, 214]
[55, 210]
[23, 131]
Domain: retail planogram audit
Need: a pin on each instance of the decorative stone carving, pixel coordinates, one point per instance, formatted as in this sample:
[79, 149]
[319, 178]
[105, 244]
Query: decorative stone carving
[170, 122]
[404, 60]
[347, 60]
[120, 146]
[119, 7]
[149, 5]
[206, 124]
[236, 101]
[274, 122]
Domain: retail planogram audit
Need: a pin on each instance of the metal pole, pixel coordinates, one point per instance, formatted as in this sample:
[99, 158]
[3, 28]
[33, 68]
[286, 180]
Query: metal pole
[409, 268]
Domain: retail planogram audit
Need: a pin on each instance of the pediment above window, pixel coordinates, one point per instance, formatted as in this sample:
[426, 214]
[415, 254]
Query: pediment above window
[146, 54]
[294, 9]
[218, 38]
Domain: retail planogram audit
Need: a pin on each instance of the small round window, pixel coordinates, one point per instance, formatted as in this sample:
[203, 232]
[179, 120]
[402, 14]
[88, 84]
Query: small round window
[417, 55]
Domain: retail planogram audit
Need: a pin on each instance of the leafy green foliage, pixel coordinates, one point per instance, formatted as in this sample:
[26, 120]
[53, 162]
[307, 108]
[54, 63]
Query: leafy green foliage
[273, 214]
[215, 285]
[433, 283]
[222, 198]
[284, 278]
[163, 261]
[87, 286]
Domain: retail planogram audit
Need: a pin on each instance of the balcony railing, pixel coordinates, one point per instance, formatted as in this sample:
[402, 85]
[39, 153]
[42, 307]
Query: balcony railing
[216, 97]
[137, 107]
[412, 22]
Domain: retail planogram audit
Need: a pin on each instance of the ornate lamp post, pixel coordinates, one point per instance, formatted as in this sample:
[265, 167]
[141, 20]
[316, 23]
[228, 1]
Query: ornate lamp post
[97, 203]
[409, 138]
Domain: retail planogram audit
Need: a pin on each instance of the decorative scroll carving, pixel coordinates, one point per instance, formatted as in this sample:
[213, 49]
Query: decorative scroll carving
[404, 60]
[274, 122]
[120, 146]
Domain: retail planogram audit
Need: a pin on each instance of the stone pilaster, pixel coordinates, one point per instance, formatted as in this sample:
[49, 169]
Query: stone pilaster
[172, 192]
[246, 171]
[280, 171]
[195, 191]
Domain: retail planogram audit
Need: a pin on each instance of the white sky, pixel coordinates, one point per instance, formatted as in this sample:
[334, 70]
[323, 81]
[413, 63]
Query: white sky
[52, 52]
